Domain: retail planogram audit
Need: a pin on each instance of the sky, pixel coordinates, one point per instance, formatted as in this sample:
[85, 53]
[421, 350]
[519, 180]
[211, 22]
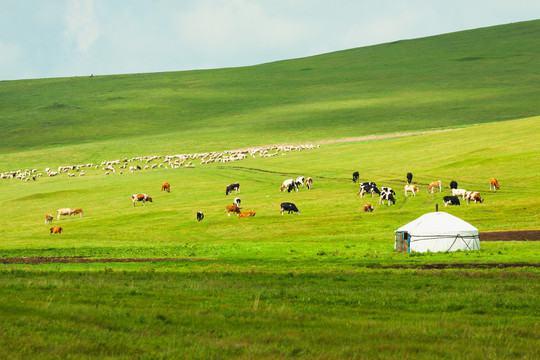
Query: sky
[64, 38]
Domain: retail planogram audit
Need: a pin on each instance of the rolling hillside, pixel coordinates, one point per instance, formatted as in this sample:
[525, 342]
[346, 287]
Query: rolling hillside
[445, 81]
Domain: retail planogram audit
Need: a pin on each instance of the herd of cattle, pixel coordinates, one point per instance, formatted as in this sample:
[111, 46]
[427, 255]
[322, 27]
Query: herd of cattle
[165, 186]
[388, 194]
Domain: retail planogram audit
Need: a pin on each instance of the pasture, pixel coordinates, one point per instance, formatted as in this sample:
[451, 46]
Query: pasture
[152, 282]
[314, 285]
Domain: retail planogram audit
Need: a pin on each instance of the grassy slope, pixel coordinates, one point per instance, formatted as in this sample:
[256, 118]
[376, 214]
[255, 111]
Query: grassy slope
[444, 81]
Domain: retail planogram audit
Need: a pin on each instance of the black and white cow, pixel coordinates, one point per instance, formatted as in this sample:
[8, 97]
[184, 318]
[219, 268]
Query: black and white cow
[409, 177]
[355, 176]
[237, 202]
[289, 207]
[453, 184]
[387, 189]
[200, 216]
[388, 196]
[231, 187]
[300, 181]
[368, 187]
[451, 200]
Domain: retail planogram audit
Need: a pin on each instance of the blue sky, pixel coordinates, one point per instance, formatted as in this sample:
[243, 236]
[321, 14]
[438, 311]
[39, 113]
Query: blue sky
[62, 38]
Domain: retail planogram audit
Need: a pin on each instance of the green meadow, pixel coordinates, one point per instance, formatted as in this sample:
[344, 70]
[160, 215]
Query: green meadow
[325, 284]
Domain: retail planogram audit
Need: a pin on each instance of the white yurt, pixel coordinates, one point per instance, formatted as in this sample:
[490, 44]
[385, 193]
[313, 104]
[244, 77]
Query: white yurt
[436, 232]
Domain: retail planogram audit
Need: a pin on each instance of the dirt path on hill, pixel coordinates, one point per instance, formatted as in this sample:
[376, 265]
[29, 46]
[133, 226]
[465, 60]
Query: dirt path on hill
[380, 137]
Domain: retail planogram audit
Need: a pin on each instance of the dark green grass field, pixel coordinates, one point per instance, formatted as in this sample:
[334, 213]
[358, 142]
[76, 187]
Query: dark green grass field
[326, 284]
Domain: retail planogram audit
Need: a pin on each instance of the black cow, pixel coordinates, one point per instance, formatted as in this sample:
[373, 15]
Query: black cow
[453, 185]
[200, 216]
[409, 177]
[287, 206]
[355, 176]
[231, 187]
[451, 200]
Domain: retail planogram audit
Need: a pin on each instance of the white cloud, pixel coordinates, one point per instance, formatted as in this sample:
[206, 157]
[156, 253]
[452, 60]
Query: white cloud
[223, 28]
[82, 27]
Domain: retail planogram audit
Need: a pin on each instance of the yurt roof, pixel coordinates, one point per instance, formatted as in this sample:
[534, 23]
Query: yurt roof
[438, 223]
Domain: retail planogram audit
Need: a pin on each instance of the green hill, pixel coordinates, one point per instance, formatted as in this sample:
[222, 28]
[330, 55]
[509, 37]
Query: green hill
[445, 81]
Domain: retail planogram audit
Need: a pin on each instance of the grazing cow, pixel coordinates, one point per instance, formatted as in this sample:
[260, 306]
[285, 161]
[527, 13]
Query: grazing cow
[231, 187]
[200, 215]
[459, 192]
[165, 186]
[451, 200]
[237, 202]
[355, 176]
[368, 207]
[409, 177]
[140, 197]
[387, 196]
[289, 207]
[232, 209]
[56, 230]
[300, 181]
[77, 211]
[48, 219]
[246, 214]
[64, 211]
[493, 184]
[289, 185]
[388, 190]
[434, 185]
[309, 183]
[412, 188]
[386, 193]
[453, 184]
[474, 195]
[368, 187]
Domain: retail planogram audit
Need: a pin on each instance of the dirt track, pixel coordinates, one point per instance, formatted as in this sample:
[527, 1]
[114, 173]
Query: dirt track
[526, 235]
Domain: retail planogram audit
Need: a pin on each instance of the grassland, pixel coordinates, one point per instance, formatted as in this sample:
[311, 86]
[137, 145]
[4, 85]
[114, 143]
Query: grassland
[311, 286]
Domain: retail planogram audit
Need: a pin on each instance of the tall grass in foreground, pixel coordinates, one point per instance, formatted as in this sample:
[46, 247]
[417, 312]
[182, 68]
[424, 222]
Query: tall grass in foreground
[373, 314]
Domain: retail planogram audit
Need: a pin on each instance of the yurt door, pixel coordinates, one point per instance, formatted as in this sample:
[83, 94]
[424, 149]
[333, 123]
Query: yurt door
[403, 241]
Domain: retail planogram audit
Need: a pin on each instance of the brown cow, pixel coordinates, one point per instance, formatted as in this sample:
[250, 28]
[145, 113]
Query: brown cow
[140, 197]
[246, 214]
[165, 186]
[494, 184]
[474, 195]
[433, 185]
[48, 219]
[232, 209]
[368, 207]
[77, 211]
[56, 230]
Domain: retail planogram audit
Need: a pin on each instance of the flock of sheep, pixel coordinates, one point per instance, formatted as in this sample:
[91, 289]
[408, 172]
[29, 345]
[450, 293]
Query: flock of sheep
[148, 162]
